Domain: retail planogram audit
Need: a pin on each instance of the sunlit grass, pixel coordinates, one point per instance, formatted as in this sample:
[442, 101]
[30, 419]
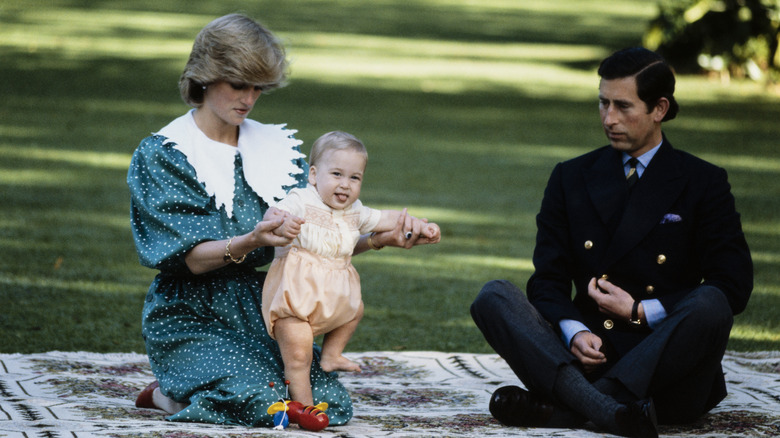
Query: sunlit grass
[40, 178]
[377, 61]
[712, 91]
[107, 160]
[714, 125]
[441, 75]
[428, 65]
[401, 47]
[743, 332]
[763, 229]
[470, 267]
[768, 291]
[450, 215]
[398, 62]
[744, 162]
[83, 33]
[442, 66]
[101, 287]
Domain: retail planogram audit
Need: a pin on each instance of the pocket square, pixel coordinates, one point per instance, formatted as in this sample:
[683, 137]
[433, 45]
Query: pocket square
[671, 218]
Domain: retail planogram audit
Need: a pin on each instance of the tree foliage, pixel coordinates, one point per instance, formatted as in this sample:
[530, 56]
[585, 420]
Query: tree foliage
[733, 37]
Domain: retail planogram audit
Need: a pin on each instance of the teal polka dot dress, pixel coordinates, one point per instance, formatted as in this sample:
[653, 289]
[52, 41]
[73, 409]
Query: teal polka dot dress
[204, 334]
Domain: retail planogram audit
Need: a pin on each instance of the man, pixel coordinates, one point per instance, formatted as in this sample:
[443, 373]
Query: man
[650, 238]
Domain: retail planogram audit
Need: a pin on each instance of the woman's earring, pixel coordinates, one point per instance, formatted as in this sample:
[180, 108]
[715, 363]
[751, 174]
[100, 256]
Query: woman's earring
[204, 88]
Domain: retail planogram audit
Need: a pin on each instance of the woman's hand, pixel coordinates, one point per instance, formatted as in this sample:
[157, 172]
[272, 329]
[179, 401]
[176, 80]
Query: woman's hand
[275, 232]
[290, 227]
[420, 232]
[210, 255]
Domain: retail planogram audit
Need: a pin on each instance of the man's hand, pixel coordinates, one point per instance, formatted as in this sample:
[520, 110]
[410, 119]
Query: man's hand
[612, 300]
[585, 346]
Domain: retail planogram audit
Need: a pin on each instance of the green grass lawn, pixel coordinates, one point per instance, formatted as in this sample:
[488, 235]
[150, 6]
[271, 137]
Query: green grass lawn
[465, 108]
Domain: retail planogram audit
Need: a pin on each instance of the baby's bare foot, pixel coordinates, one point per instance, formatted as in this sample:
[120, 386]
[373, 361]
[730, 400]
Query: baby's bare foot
[339, 363]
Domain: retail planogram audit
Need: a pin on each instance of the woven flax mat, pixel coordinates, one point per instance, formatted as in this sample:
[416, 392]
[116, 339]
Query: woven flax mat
[406, 394]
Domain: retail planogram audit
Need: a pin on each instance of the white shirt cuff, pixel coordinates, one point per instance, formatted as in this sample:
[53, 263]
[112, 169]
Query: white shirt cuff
[654, 312]
[569, 328]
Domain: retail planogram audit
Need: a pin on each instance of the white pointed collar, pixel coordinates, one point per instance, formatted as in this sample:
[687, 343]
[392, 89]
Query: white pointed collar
[267, 153]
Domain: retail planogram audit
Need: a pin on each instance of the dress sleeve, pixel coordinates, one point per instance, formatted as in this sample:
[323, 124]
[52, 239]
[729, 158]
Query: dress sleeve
[171, 211]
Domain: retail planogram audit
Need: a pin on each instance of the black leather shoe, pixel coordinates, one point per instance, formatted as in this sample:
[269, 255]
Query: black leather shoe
[638, 420]
[514, 406]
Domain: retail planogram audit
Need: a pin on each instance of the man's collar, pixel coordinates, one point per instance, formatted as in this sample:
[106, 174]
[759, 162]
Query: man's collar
[645, 158]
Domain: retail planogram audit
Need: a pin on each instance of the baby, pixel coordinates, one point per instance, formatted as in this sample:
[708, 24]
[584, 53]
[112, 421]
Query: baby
[311, 287]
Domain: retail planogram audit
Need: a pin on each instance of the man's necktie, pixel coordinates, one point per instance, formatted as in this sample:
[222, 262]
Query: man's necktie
[632, 176]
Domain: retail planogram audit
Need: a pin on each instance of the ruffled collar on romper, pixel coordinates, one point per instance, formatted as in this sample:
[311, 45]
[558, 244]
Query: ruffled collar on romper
[267, 153]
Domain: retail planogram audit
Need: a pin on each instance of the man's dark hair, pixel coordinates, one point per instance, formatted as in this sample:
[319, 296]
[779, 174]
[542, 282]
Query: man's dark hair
[654, 77]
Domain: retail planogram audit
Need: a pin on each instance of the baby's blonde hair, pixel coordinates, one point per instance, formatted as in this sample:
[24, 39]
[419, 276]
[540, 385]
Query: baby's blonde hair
[334, 141]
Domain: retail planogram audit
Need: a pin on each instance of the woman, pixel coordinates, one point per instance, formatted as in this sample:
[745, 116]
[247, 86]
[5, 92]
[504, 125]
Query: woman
[199, 188]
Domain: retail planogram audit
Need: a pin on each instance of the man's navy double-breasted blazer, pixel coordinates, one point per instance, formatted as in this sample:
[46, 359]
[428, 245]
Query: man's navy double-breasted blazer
[678, 229]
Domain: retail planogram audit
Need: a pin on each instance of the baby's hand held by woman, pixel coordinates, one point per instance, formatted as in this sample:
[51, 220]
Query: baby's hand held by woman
[428, 232]
[432, 232]
[291, 227]
[274, 213]
[265, 234]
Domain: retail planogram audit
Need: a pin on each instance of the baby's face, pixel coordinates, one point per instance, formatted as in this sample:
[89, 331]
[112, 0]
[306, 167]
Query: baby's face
[338, 177]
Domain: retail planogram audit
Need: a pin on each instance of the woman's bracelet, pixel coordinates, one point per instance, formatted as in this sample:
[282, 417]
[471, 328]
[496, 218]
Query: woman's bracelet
[229, 257]
[371, 243]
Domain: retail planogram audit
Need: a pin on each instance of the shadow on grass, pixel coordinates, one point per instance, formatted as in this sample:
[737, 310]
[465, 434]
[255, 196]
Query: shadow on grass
[46, 318]
[483, 153]
[487, 21]
[475, 162]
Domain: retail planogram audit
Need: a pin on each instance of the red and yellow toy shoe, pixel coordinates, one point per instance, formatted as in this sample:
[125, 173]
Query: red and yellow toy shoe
[311, 418]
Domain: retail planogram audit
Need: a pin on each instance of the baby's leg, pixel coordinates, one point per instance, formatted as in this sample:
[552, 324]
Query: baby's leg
[334, 343]
[295, 340]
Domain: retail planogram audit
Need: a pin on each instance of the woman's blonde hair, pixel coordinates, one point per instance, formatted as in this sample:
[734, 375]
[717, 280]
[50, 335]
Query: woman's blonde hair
[333, 141]
[236, 49]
